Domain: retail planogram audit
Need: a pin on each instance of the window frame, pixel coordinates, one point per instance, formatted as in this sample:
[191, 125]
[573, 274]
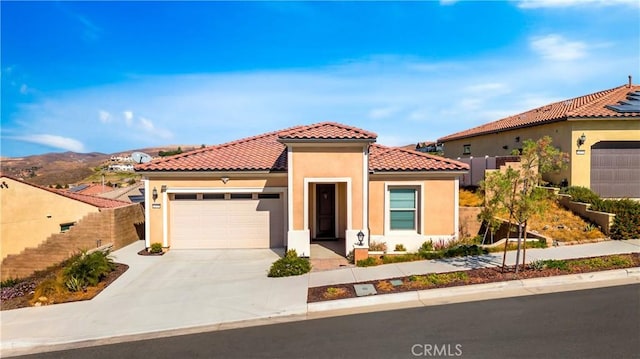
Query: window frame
[418, 188]
[466, 149]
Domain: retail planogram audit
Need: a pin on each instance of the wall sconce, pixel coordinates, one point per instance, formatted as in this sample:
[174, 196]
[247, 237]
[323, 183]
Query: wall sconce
[505, 147]
[154, 194]
[163, 188]
[224, 179]
[360, 237]
[517, 138]
[581, 140]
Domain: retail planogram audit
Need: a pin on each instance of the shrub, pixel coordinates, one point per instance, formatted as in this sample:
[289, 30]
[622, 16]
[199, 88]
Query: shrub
[377, 247]
[556, 264]
[426, 246]
[156, 248]
[469, 199]
[289, 265]
[73, 284]
[89, 268]
[537, 265]
[400, 248]
[17, 290]
[370, 261]
[464, 250]
[350, 257]
[581, 194]
[626, 224]
[49, 288]
[334, 292]
[10, 282]
[407, 257]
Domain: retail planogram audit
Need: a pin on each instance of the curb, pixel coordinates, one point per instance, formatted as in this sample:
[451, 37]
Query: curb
[527, 285]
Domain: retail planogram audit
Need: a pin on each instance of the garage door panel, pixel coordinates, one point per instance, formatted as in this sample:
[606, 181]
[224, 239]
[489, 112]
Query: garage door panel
[615, 169]
[240, 223]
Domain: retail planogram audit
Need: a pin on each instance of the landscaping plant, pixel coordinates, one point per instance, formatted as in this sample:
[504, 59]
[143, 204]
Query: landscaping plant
[88, 268]
[289, 265]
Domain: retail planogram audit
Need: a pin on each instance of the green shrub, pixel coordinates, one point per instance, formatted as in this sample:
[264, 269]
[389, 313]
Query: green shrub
[556, 264]
[581, 194]
[370, 261]
[289, 265]
[537, 265]
[73, 284]
[378, 247]
[407, 257]
[350, 257]
[626, 224]
[464, 250]
[49, 288]
[400, 248]
[156, 248]
[89, 269]
[10, 282]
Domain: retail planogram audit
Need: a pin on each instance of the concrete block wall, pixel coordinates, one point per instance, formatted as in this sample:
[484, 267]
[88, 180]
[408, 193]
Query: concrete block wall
[116, 226]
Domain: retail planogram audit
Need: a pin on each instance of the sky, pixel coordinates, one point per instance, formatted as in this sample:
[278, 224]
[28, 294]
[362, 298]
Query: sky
[115, 76]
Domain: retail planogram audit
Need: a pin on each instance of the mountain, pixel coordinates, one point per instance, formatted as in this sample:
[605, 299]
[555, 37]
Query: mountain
[67, 167]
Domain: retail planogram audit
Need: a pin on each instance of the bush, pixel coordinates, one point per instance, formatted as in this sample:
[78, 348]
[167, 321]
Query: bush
[289, 265]
[626, 224]
[49, 288]
[408, 257]
[156, 248]
[464, 250]
[400, 248]
[469, 199]
[89, 269]
[370, 261]
[378, 247]
[581, 194]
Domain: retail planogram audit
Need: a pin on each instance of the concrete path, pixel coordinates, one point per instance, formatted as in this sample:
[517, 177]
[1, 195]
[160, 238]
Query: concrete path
[212, 289]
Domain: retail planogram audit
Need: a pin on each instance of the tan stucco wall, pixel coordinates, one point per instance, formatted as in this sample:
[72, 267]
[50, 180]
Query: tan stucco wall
[155, 214]
[564, 134]
[439, 205]
[24, 211]
[327, 162]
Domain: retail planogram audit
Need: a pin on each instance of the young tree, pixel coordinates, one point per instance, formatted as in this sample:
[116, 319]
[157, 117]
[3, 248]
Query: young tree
[515, 189]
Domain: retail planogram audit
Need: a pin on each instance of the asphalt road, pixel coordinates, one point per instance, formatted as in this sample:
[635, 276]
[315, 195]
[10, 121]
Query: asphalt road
[596, 323]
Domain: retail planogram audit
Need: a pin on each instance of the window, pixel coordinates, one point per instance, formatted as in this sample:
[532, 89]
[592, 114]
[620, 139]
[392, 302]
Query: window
[402, 208]
[268, 195]
[466, 149]
[66, 226]
[185, 196]
[241, 196]
[209, 196]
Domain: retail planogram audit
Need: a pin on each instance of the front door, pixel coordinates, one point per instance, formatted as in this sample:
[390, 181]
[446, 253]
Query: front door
[325, 210]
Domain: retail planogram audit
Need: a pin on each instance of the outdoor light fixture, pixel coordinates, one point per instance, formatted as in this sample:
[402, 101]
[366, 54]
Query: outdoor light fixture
[581, 140]
[154, 194]
[224, 179]
[360, 238]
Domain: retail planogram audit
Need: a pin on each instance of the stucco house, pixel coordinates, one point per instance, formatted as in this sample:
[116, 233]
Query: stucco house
[290, 187]
[42, 226]
[600, 131]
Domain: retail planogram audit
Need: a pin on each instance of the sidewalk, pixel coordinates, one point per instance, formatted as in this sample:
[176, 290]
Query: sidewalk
[193, 291]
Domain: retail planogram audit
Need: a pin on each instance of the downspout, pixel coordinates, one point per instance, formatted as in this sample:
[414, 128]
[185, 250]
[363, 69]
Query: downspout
[368, 202]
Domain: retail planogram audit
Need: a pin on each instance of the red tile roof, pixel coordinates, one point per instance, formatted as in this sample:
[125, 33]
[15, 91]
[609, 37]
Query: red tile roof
[95, 189]
[266, 152]
[588, 106]
[385, 159]
[92, 200]
[327, 131]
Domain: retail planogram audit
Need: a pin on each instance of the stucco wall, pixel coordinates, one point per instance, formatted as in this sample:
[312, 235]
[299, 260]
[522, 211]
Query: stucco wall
[327, 162]
[29, 215]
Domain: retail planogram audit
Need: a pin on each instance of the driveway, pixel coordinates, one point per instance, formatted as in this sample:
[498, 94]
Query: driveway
[181, 289]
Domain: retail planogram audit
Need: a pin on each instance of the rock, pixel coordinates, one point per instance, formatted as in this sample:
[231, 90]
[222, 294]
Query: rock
[561, 226]
[546, 226]
[43, 299]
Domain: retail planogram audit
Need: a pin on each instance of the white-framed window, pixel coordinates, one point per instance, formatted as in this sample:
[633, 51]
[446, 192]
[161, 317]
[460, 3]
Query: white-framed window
[403, 208]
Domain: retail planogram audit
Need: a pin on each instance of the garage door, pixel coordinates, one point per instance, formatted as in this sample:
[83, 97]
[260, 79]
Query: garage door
[615, 169]
[237, 220]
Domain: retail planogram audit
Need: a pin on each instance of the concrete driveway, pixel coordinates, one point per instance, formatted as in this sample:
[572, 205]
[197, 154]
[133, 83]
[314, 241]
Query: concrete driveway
[182, 289]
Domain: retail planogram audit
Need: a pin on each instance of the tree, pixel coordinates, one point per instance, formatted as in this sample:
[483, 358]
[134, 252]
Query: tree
[515, 190]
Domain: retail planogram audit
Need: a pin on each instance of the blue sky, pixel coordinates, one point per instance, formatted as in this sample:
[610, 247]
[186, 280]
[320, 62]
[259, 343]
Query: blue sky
[113, 76]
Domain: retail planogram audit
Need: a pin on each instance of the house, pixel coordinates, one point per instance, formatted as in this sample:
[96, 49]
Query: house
[286, 188]
[43, 226]
[600, 131]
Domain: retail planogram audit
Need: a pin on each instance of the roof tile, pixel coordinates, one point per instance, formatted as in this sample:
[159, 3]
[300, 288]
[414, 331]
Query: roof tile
[382, 158]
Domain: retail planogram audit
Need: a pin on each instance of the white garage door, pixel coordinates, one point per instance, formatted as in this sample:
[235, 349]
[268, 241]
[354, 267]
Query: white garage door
[239, 220]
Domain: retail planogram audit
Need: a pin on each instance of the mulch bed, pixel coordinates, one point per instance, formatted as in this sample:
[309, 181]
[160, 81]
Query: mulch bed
[31, 282]
[145, 252]
[474, 276]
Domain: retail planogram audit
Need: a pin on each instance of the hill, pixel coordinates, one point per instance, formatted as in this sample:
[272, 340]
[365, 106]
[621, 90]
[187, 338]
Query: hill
[68, 167]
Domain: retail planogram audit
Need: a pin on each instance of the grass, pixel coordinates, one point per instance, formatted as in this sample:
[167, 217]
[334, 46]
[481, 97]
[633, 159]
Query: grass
[335, 293]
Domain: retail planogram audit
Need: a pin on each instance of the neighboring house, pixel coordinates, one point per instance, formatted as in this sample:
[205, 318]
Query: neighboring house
[600, 132]
[132, 194]
[92, 189]
[43, 226]
[289, 187]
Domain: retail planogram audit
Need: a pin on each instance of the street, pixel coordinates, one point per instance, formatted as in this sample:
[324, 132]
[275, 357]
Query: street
[596, 323]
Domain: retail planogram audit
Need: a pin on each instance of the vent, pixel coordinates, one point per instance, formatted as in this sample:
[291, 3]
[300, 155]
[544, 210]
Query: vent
[631, 104]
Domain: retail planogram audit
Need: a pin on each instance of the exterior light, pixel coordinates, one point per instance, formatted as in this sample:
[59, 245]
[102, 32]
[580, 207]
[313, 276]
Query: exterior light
[154, 194]
[360, 238]
[224, 179]
[581, 140]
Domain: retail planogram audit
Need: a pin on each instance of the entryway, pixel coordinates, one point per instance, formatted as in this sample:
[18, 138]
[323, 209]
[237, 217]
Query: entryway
[325, 255]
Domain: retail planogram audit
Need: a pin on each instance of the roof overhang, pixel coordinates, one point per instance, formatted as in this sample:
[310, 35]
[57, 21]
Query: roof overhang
[419, 174]
[212, 174]
[326, 141]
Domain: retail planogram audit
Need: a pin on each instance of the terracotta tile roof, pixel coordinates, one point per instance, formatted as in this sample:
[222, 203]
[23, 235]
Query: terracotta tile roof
[327, 131]
[95, 189]
[385, 159]
[92, 200]
[266, 153]
[588, 106]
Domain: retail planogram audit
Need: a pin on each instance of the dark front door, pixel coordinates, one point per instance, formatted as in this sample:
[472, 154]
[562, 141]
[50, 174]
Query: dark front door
[325, 210]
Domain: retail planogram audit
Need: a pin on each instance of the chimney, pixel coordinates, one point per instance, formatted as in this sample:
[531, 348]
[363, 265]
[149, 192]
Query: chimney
[629, 82]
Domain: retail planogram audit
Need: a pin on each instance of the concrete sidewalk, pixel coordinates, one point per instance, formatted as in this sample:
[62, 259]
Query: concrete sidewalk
[192, 291]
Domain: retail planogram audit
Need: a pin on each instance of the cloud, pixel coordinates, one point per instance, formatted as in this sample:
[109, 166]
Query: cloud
[58, 142]
[105, 117]
[537, 4]
[128, 117]
[382, 112]
[556, 48]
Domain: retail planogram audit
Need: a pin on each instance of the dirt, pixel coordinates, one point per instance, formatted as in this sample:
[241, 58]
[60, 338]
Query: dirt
[474, 276]
[24, 300]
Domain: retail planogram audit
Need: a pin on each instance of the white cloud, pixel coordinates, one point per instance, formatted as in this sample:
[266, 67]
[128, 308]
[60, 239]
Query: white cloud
[24, 89]
[556, 48]
[536, 4]
[128, 117]
[382, 112]
[105, 117]
[58, 142]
